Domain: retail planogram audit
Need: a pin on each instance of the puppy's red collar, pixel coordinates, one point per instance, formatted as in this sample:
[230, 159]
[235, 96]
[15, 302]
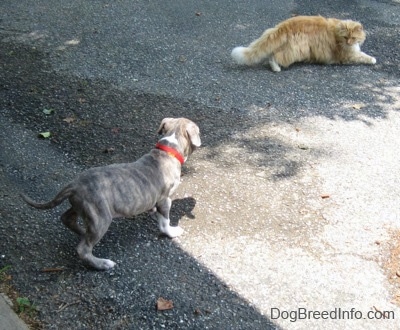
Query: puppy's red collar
[171, 151]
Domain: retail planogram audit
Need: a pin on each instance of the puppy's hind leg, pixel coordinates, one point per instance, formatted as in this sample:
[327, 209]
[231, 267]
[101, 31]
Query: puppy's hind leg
[97, 224]
[69, 219]
[163, 208]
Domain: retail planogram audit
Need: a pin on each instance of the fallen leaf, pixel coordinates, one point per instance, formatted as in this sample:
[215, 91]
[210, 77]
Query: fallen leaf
[164, 304]
[198, 13]
[44, 135]
[109, 150]
[358, 106]
[69, 120]
[51, 270]
[303, 147]
[115, 130]
[261, 174]
[197, 311]
[303, 211]
[72, 42]
[84, 122]
[182, 59]
[48, 111]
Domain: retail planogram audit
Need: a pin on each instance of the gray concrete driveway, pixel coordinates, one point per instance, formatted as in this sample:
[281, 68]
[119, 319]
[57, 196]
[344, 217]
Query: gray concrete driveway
[290, 208]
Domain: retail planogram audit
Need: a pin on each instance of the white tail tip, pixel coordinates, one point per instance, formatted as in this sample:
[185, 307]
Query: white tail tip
[238, 54]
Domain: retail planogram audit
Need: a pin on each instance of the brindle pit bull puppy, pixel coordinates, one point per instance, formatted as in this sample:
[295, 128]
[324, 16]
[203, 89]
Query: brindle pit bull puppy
[123, 190]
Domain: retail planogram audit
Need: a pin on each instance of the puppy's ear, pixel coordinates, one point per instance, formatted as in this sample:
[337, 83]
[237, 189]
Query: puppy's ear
[194, 134]
[163, 126]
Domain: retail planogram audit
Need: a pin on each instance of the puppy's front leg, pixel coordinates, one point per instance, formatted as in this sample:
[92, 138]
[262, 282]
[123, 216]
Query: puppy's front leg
[163, 208]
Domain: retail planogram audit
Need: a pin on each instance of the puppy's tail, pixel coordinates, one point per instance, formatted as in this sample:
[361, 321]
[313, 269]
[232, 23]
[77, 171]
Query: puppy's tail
[261, 48]
[57, 200]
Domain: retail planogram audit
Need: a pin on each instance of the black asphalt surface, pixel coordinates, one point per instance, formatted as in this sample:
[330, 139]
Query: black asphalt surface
[109, 71]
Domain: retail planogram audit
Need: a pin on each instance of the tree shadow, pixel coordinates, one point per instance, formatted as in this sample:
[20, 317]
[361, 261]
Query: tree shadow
[147, 267]
[97, 123]
[45, 266]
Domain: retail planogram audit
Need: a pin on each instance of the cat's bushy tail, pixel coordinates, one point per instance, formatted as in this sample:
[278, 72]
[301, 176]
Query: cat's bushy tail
[259, 49]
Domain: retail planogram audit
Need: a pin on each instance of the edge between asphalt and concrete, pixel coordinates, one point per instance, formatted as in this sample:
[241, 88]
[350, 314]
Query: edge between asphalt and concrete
[9, 320]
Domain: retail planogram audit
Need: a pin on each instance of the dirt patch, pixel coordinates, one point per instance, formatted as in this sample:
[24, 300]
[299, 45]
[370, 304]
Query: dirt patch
[392, 265]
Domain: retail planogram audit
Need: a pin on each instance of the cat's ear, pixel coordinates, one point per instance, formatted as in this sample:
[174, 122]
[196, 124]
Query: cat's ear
[358, 28]
[342, 28]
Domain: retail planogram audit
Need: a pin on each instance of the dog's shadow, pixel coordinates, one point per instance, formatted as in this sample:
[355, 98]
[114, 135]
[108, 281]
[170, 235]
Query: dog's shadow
[181, 208]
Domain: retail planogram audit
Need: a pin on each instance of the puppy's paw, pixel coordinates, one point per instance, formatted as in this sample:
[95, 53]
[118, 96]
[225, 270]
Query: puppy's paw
[104, 264]
[109, 263]
[173, 231]
[373, 60]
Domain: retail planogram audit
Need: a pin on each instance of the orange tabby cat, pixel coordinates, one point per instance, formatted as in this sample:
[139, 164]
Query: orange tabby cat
[307, 39]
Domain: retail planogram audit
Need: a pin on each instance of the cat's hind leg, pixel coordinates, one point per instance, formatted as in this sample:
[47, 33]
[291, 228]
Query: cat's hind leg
[282, 58]
[274, 65]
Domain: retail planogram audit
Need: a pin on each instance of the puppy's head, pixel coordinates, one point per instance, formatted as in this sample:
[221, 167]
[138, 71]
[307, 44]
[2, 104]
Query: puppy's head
[184, 131]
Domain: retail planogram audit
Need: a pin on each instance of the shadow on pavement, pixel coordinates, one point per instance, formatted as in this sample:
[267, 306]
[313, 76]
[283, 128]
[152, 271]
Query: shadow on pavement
[91, 124]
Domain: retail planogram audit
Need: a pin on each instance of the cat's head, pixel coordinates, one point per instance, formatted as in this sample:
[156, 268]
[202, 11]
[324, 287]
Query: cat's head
[350, 33]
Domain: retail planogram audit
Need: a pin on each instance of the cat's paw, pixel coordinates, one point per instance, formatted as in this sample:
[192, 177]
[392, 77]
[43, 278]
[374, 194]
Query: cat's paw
[274, 66]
